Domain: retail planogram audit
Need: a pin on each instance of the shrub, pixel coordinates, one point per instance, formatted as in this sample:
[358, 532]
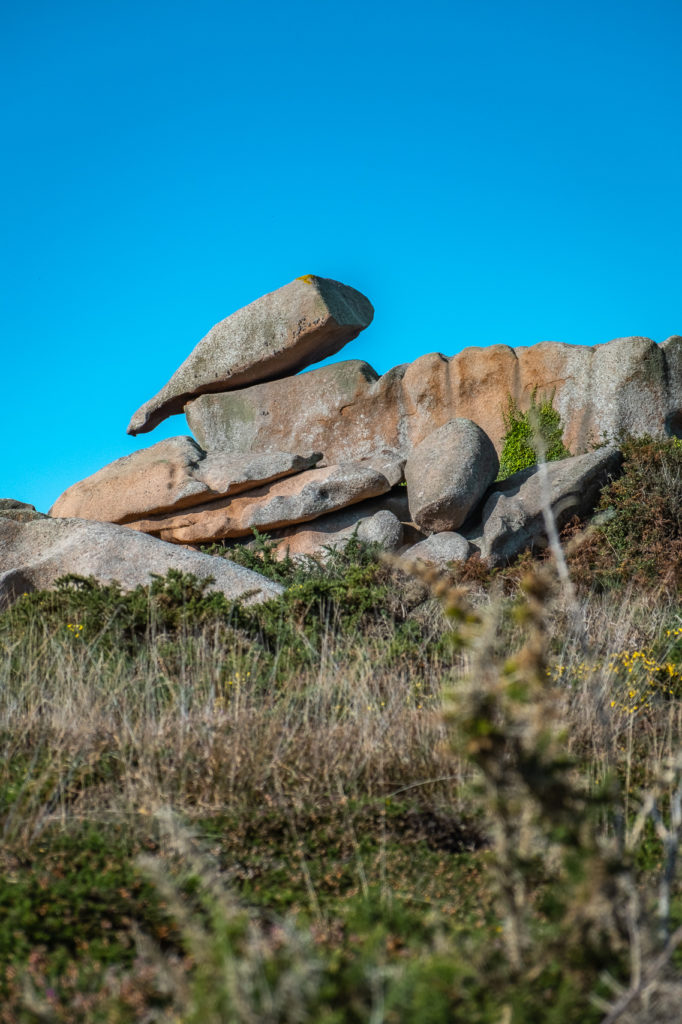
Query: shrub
[527, 432]
[639, 538]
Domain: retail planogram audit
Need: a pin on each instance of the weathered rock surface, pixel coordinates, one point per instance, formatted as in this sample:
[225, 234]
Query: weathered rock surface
[295, 499]
[172, 475]
[277, 335]
[35, 554]
[512, 520]
[346, 412]
[439, 550]
[331, 405]
[448, 473]
[389, 463]
[334, 532]
[600, 391]
[336, 528]
[19, 511]
[9, 504]
[672, 354]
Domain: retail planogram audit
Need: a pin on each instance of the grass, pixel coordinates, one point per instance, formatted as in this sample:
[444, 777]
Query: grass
[375, 798]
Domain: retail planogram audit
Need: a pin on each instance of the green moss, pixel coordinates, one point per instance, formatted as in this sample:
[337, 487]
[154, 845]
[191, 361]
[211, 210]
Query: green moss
[528, 432]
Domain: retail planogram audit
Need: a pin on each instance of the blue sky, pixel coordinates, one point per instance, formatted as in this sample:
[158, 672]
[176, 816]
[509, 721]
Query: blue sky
[484, 171]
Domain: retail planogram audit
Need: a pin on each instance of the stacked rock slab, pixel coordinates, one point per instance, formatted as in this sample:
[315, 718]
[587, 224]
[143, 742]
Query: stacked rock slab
[384, 520]
[170, 476]
[296, 499]
[337, 408]
[178, 492]
[630, 385]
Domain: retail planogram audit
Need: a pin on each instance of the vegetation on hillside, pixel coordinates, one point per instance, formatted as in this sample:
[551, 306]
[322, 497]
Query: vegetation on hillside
[639, 539]
[375, 798]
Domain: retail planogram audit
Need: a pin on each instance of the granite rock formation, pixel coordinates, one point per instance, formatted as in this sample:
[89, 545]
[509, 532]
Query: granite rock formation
[335, 529]
[408, 458]
[512, 519]
[294, 499]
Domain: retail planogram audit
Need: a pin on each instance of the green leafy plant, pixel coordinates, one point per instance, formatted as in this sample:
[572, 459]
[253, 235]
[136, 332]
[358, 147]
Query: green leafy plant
[527, 433]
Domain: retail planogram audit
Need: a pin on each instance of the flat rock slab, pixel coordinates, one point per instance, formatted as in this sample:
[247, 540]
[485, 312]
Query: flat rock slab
[448, 473]
[439, 550]
[336, 528]
[512, 519]
[172, 475]
[275, 336]
[33, 555]
[334, 531]
[629, 385]
[296, 499]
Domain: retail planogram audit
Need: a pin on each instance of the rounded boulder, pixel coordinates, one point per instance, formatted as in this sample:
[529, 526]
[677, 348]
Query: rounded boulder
[440, 549]
[448, 473]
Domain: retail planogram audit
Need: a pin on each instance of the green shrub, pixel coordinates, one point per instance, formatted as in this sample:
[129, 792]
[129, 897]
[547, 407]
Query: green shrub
[351, 596]
[539, 427]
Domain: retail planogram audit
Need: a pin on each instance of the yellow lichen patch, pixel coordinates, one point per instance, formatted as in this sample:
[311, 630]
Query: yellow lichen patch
[308, 278]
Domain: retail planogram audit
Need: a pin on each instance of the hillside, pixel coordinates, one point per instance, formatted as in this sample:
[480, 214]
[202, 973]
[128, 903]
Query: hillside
[386, 795]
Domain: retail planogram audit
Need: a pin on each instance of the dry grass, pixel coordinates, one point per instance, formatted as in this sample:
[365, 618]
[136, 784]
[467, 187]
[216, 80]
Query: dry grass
[115, 735]
[110, 733]
[202, 724]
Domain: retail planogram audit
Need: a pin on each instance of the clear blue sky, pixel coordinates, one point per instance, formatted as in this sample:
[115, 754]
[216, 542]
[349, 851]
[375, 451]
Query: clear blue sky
[484, 171]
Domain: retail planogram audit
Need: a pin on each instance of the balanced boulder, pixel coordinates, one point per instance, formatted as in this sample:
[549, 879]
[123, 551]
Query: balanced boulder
[275, 336]
[170, 476]
[33, 555]
[295, 499]
[448, 473]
